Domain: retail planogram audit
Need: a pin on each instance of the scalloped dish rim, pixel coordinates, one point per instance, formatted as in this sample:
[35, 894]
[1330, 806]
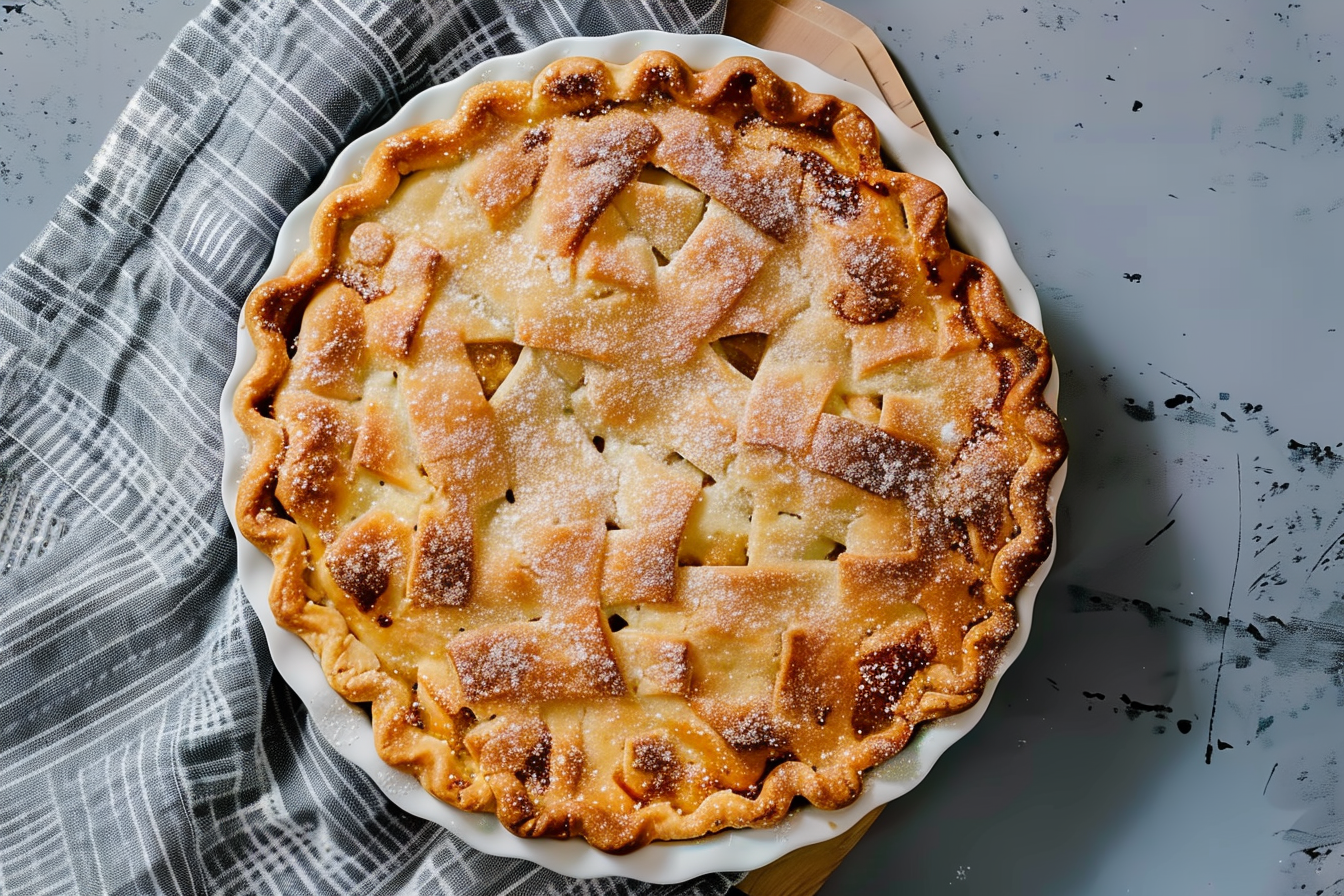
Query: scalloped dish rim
[347, 727]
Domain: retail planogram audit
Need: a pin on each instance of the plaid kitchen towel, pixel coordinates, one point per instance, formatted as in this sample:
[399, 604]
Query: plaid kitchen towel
[146, 743]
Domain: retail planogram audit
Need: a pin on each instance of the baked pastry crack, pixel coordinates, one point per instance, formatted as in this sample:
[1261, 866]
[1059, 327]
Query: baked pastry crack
[636, 446]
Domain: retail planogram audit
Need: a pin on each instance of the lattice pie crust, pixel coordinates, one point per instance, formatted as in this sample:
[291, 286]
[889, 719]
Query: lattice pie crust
[636, 446]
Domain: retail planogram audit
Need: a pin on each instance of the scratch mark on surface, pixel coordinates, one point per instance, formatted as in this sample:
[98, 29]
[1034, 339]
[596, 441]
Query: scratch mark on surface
[1321, 559]
[1169, 524]
[1222, 650]
[1182, 383]
[1270, 578]
[1266, 545]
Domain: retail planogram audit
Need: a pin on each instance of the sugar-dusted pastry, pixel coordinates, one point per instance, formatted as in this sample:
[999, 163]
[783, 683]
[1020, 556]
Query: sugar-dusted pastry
[636, 447]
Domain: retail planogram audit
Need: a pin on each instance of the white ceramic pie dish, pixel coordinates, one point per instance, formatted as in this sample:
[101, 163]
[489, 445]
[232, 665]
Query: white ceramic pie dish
[347, 727]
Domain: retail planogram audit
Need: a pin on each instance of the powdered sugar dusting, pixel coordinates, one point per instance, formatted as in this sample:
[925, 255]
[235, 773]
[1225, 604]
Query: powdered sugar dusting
[562, 490]
[763, 189]
[977, 482]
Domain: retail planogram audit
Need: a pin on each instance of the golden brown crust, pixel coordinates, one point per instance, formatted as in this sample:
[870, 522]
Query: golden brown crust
[648, 459]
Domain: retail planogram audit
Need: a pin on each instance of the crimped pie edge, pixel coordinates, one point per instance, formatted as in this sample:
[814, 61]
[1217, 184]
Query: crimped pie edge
[286, 550]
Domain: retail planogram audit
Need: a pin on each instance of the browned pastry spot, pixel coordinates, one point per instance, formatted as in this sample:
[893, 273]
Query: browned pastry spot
[368, 557]
[443, 554]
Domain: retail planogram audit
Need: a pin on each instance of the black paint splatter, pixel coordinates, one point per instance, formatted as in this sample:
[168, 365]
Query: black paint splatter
[1192, 415]
[1090, 600]
[1137, 106]
[1325, 458]
[1132, 278]
[1142, 413]
[1134, 709]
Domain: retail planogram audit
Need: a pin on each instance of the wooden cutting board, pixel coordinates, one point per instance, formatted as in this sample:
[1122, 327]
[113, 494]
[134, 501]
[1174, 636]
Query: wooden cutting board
[836, 42]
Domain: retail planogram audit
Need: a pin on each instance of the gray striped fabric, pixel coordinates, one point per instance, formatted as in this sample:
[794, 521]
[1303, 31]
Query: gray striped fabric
[146, 742]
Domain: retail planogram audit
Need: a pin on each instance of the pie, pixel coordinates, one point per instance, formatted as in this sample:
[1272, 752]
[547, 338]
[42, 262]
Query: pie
[636, 447]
